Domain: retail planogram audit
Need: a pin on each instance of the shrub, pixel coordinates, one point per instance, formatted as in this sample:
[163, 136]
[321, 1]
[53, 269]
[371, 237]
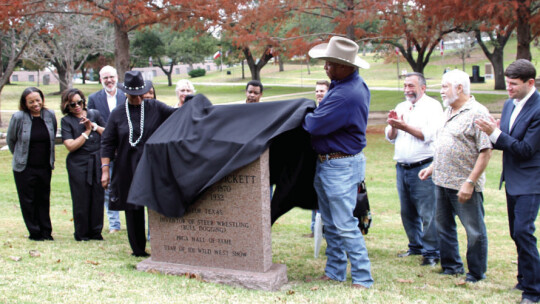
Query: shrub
[197, 73]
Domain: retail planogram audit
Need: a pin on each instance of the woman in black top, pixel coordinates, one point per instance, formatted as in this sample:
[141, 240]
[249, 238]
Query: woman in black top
[128, 128]
[30, 138]
[81, 134]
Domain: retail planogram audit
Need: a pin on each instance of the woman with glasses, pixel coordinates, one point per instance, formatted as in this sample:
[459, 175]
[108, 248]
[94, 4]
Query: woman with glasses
[30, 137]
[81, 134]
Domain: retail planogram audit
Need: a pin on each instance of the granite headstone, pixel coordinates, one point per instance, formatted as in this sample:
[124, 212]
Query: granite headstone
[224, 237]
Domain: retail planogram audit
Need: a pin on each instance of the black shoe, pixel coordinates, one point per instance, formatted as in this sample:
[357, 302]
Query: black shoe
[48, 238]
[518, 287]
[452, 272]
[141, 255]
[406, 254]
[472, 279]
[429, 262]
[36, 238]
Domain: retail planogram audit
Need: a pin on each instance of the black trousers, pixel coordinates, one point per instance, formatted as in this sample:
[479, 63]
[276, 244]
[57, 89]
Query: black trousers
[34, 190]
[136, 231]
[87, 197]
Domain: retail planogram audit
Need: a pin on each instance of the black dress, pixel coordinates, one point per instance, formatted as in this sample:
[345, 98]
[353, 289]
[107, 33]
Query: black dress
[83, 166]
[115, 145]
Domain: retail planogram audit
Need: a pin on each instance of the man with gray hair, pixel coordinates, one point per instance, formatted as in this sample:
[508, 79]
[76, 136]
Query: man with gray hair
[412, 128]
[105, 101]
[462, 152]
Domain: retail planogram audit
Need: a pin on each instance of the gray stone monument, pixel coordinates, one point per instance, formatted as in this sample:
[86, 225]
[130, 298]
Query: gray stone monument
[225, 237]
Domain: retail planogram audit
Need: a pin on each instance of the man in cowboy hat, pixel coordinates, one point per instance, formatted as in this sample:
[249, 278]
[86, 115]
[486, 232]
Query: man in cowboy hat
[338, 135]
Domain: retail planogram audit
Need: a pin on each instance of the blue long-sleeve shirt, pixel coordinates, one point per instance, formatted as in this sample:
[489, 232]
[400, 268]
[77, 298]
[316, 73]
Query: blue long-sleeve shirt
[339, 123]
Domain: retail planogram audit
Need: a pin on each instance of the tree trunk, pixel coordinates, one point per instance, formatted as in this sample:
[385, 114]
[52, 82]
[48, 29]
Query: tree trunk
[251, 64]
[121, 51]
[281, 68]
[243, 73]
[496, 57]
[498, 70]
[83, 74]
[167, 72]
[62, 78]
[255, 68]
[523, 31]
[307, 65]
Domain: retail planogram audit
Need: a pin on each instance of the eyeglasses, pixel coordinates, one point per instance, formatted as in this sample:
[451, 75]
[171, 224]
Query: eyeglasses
[79, 103]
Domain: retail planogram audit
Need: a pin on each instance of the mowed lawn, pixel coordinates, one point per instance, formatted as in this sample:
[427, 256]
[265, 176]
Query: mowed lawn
[65, 271]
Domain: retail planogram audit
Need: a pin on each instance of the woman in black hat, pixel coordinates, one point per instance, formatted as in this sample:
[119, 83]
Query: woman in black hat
[128, 128]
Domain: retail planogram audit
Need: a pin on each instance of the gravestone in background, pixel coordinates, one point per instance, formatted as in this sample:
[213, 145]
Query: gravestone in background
[225, 237]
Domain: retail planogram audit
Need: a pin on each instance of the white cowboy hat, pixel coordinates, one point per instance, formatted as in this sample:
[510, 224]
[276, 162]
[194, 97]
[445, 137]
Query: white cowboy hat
[340, 50]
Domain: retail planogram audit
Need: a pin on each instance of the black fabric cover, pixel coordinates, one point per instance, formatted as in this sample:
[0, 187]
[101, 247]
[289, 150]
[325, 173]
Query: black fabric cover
[201, 143]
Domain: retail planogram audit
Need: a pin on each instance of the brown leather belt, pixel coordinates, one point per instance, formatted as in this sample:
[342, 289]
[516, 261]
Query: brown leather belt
[334, 155]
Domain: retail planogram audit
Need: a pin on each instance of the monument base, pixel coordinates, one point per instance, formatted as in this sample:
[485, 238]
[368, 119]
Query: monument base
[270, 280]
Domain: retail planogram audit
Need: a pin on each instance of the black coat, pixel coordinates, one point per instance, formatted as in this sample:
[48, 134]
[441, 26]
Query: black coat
[115, 145]
[201, 143]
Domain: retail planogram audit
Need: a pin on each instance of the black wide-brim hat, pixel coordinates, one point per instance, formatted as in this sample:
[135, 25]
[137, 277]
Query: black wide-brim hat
[134, 83]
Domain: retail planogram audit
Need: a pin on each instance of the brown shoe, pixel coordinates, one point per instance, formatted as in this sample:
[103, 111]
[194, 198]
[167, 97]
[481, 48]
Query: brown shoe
[358, 286]
[308, 235]
[325, 278]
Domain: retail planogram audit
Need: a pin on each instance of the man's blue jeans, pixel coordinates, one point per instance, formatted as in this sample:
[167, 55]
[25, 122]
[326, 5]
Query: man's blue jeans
[113, 216]
[522, 213]
[418, 205]
[336, 183]
[471, 215]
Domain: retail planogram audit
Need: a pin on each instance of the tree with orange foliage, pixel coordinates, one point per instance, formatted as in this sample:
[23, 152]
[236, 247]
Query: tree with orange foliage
[251, 26]
[129, 15]
[493, 22]
[528, 25]
[413, 27]
[16, 32]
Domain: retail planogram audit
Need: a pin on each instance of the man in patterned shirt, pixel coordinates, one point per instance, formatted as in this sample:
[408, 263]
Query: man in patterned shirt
[462, 152]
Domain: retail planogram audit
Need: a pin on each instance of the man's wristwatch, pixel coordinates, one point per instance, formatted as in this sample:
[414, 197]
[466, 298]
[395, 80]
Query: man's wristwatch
[470, 181]
[94, 126]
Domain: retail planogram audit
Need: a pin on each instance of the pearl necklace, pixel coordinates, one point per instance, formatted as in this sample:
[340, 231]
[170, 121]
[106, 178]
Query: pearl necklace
[130, 125]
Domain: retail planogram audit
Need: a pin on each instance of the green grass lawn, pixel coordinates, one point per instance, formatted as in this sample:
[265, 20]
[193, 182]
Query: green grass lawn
[104, 272]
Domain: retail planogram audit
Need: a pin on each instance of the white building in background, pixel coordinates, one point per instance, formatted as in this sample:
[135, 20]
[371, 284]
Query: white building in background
[47, 77]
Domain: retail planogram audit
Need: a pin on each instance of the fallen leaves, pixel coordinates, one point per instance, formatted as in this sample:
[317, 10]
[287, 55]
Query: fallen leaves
[34, 253]
[15, 258]
[405, 281]
[92, 262]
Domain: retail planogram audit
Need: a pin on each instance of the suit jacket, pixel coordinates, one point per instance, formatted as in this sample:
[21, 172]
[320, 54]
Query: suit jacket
[18, 136]
[98, 101]
[521, 148]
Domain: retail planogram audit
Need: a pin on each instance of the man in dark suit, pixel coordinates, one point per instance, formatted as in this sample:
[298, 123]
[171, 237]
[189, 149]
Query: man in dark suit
[519, 137]
[105, 101]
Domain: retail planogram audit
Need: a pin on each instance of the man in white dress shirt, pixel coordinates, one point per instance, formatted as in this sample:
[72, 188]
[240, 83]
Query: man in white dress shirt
[412, 127]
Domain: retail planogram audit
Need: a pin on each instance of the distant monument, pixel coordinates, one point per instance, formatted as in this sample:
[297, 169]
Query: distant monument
[476, 78]
[225, 237]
